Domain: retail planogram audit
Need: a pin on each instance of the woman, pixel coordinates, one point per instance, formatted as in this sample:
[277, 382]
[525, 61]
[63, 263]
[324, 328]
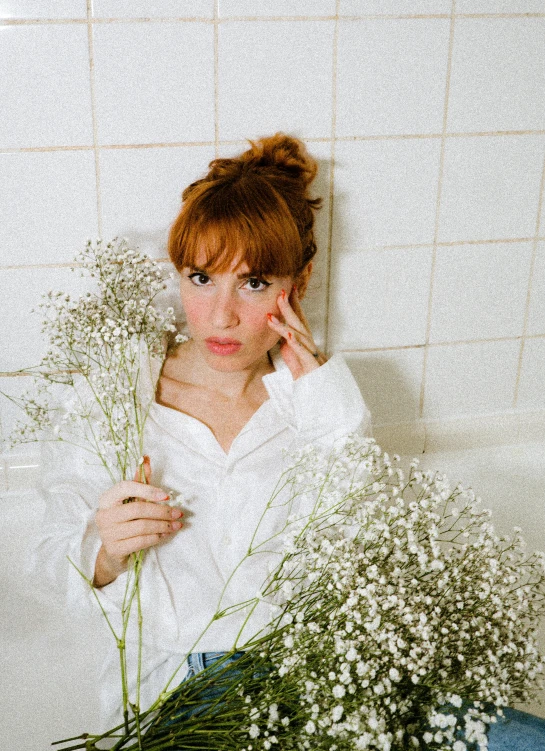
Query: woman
[231, 403]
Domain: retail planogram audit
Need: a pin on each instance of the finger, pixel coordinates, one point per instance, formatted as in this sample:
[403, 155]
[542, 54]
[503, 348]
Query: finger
[146, 465]
[131, 489]
[295, 303]
[306, 358]
[285, 330]
[144, 510]
[291, 316]
[134, 544]
[143, 527]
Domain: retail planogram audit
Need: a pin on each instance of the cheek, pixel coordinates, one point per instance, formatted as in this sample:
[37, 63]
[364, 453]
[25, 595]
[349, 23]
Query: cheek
[194, 308]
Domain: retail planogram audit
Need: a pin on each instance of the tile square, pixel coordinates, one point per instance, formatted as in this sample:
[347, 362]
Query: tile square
[498, 75]
[391, 76]
[536, 313]
[390, 383]
[153, 8]
[227, 8]
[48, 201]
[27, 9]
[275, 75]
[385, 192]
[393, 7]
[480, 291]
[468, 378]
[490, 187]
[154, 82]
[500, 6]
[45, 86]
[144, 204]
[531, 388]
[379, 298]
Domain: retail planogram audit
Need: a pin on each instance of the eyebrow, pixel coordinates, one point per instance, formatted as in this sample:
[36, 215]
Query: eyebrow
[248, 275]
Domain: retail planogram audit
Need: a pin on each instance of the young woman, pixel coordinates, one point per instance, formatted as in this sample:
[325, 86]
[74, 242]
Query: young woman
[229, 406]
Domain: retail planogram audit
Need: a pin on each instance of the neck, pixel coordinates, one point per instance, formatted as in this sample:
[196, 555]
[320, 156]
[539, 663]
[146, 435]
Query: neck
[233, 385]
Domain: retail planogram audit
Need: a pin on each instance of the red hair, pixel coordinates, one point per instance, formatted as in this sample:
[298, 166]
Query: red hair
[254, 208]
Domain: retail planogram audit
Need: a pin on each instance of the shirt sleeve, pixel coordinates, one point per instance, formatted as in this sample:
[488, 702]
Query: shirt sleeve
[328, 403]
[71, 481]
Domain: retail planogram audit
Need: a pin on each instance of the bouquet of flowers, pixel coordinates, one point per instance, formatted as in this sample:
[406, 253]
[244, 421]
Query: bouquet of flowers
[398, 618]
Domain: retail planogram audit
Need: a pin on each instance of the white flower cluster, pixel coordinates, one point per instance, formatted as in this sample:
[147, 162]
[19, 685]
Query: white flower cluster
[96, 343]
[405, 621]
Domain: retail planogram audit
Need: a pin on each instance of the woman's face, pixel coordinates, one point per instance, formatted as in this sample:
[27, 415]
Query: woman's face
[233, 306]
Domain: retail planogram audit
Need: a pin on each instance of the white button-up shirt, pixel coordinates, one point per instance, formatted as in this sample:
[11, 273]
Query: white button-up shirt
[224, 496]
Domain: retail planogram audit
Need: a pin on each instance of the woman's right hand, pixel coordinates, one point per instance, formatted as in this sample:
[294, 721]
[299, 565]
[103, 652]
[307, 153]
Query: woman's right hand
[125, 528]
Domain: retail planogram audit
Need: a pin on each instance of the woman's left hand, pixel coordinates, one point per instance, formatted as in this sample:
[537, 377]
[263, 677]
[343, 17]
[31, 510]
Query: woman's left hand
[298, 346]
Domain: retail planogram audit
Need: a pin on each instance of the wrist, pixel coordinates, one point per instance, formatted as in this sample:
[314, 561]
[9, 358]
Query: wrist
[107, 568]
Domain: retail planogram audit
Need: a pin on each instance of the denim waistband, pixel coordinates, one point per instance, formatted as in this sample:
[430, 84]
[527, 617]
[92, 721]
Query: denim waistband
[200, 660]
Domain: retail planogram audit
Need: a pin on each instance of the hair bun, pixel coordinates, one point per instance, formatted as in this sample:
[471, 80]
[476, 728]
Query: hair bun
[281, 152]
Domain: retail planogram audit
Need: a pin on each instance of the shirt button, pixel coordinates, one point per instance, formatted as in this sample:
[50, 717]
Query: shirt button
[227, 539]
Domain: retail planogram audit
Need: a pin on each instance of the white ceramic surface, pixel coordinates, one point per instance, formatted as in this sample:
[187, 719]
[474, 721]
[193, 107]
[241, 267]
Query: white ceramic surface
[470, 378]
[391, 76]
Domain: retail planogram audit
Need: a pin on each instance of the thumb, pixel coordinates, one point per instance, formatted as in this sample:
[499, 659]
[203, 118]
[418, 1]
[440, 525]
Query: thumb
[146, 464]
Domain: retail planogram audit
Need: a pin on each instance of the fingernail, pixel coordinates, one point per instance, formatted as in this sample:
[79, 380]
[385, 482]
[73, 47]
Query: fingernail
[176, 513]
[161, 495]
[283, 293]
[176, 525]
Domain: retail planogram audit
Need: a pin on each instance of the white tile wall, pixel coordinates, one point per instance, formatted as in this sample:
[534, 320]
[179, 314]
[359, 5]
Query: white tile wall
[531, 392]
[491, 187]
[391, 76]
[479, 291]
[153, 8]
[469, 378]
[141, 190]
[22, 343]
[500, 6]
[275, 75]
[393, 7]
[45, 86]
[47, 203]
[536, 314]
[21, 9]
[385, 192]
[390, 381]
[154, 82]
[379, 298]
[498, 75]
[430, 272]
[284, 8]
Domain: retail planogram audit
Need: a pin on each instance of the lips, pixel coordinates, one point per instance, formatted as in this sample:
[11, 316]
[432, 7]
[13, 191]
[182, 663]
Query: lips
[218, 340]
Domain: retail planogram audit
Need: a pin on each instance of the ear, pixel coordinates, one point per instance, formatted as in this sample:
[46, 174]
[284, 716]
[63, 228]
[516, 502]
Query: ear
[302, 280]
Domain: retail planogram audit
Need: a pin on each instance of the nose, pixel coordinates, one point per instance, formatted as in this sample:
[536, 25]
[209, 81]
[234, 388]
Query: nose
[224, 311]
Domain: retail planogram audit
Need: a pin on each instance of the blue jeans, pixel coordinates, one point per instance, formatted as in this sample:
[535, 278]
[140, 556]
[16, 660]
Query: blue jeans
[518, 731]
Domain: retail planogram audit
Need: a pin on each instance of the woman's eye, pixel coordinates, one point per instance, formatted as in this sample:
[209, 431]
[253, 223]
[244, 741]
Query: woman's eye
[201, 276]
[254, 280]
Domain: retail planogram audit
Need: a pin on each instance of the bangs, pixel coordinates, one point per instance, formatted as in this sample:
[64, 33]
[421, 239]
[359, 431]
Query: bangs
[227, 224]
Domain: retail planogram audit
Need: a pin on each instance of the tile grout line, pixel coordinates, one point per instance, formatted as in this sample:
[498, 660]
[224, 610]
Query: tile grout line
[525, 335]
[331, 179]
[228, 142]
[94, 116]
[436, 228]
[234, 19]
[216, 80]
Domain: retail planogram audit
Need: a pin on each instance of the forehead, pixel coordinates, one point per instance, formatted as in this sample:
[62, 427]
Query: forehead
[238, 263]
